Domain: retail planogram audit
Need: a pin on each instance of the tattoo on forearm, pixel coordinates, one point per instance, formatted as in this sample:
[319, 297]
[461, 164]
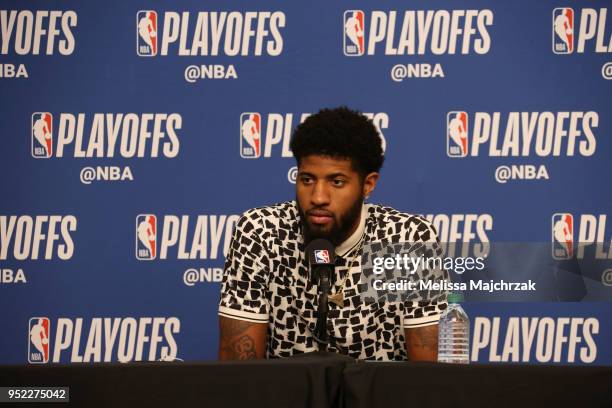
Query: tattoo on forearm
[234, 344]
[425, 337]
[244, 348]
[232, 327]
[422, 343]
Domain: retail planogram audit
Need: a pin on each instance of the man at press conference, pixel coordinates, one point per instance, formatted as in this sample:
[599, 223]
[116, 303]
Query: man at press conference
[269, 300]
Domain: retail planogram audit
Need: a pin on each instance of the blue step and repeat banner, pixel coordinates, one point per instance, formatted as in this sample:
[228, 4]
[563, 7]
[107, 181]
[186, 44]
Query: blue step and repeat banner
[135, 133]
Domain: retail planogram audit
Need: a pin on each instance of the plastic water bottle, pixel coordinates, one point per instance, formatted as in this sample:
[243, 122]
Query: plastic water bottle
[454, 333]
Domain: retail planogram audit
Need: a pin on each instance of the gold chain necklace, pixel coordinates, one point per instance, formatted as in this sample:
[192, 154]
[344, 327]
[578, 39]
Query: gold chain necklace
[338, 297]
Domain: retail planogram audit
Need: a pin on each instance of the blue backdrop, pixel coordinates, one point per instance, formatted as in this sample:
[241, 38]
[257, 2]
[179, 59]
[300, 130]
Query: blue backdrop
[495, 117]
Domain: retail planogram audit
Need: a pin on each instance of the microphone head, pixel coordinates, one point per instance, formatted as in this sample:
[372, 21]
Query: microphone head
[320, 252]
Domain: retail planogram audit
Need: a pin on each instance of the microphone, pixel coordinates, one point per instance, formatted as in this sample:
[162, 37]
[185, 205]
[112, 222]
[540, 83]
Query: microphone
[320, 253]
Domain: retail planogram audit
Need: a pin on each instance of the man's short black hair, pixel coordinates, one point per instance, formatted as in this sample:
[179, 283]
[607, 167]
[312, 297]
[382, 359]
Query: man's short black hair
[340, 133]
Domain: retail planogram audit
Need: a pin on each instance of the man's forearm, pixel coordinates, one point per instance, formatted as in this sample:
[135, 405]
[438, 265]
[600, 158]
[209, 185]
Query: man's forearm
[241, 340]
[422, 343]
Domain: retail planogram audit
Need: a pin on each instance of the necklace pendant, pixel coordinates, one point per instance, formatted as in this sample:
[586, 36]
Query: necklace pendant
[337, 298]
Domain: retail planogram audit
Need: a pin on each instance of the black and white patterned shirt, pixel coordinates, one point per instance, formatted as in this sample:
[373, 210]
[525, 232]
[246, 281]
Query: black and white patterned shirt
[266, 280]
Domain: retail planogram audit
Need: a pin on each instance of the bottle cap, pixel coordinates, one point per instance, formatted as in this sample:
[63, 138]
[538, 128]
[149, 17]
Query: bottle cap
[454, 297]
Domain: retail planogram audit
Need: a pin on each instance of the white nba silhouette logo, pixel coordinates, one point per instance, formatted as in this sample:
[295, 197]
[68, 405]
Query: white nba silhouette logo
[354, 38]
[146, 33]
[457, 134]
[321, 256]
[250, 135]
[38, 340]
[42, 135]
[146, 237]
[563, 30]
[562, 236]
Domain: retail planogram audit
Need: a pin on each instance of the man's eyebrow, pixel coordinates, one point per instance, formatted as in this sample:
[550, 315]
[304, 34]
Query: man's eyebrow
[338, 174]
[329, 176]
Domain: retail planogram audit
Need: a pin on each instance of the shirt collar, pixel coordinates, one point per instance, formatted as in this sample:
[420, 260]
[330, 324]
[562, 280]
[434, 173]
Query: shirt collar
[351, 242]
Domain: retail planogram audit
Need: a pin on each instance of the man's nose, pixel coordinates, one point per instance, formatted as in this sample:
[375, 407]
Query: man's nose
[320, 194]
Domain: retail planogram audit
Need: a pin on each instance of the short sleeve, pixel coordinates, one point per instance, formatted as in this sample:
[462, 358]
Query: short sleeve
[245, 278]
[426, 312]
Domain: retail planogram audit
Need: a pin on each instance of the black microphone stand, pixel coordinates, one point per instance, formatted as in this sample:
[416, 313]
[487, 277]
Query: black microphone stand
[320, 253]
[320, 333]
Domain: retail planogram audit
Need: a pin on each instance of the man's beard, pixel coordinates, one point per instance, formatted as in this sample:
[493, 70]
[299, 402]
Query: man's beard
[341, 225]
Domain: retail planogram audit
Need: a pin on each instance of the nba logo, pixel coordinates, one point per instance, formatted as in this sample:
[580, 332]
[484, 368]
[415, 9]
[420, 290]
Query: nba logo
[42, 135]
[38, 340]
[562, 236]
[146, 237]
[456, 134]
[321, 256]
[563, 30]
[146, 33]
[250, 135]
[354, 40]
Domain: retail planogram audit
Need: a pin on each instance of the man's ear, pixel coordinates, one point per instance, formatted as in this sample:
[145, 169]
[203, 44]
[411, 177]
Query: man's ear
[369, 183]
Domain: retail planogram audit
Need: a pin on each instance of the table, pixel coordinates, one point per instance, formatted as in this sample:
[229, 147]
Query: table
[419, 385]
[318, 380]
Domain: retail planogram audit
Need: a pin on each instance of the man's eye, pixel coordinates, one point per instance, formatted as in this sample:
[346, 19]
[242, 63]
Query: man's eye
[306, 179]
[339, 182]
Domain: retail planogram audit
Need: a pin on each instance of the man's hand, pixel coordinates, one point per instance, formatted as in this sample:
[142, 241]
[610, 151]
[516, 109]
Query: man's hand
[241, 340]
[422, 343]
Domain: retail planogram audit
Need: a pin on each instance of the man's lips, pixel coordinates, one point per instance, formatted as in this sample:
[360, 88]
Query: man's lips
[319, 217]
